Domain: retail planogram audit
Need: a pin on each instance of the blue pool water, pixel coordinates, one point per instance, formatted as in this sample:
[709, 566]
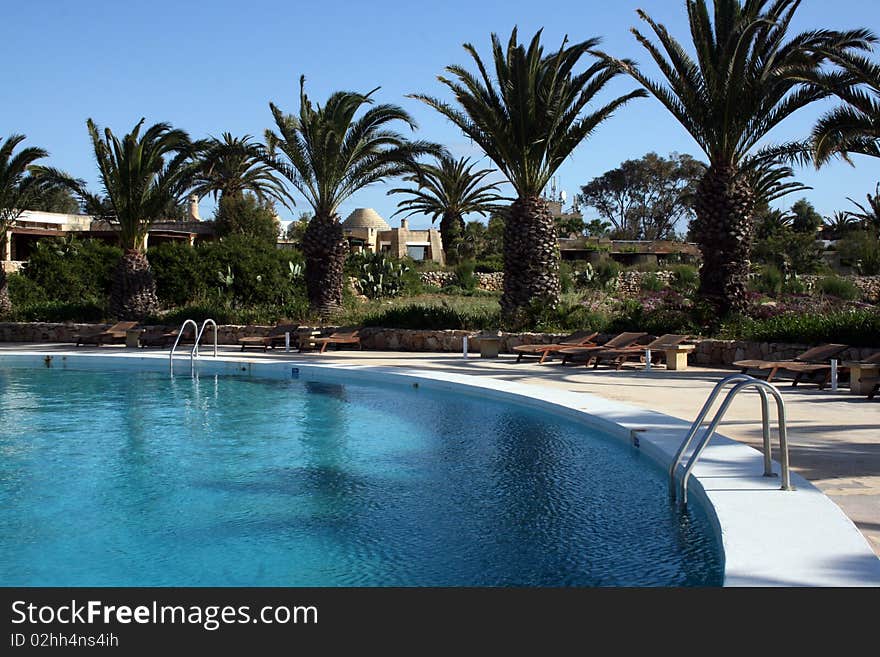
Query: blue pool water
[132, 479]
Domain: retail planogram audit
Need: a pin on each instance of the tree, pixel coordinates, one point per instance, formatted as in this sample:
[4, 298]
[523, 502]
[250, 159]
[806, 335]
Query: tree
[855, 126]
[645, 198]
[330, 155]
[746, 79]
[231, 166]
[448, 190]
[837, 225]
[56, 199]
[571, 224]
[597, 228]
[247, 216]
[144, 177]
[868, 214]
[528, 118]
[21, 187]
[805, 219]
[296, 230]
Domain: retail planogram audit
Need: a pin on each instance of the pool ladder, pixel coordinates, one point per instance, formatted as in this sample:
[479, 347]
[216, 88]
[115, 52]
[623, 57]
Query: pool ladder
[740, 382]
[195, 350]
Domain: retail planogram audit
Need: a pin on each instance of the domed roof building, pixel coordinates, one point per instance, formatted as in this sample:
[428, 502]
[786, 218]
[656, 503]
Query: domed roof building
[365, 218]
[366, 231]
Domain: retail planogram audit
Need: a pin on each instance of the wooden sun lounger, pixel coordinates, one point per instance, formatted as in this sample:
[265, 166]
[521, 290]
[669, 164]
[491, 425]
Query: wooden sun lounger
[341, 336]
[669, 345]
[618, 341]
[159, 336]
[811, 364]
[274, 339]
[544, 351]
[115, 333]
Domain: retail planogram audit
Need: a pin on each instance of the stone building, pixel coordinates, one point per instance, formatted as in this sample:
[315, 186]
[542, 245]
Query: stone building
[365, 230]
[33, 226]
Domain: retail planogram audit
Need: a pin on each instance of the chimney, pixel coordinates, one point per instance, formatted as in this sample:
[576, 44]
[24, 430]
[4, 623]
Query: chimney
[404, 224]
[194, 208]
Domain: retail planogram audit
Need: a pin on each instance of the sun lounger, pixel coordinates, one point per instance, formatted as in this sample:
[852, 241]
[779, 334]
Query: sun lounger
[338, 337]
[587, 353]
[668, 345]
[274, 339]
[159, 336]
[115, 333]
[544, 351]
[814, 364]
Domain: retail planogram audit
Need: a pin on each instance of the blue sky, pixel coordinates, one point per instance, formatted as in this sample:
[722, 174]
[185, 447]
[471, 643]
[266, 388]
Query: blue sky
[214, 67]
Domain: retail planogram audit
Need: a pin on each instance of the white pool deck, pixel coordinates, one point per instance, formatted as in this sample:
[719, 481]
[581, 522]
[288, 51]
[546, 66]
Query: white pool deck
[770, 537]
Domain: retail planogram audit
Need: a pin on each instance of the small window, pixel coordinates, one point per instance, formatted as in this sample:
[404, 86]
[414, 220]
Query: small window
[417, 252]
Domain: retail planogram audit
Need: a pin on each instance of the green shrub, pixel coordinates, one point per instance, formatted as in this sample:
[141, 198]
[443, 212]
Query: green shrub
[294, 311]
[72, 270]
[768, 281]
[568, 316]
[465, 278]
[377, 275]
[858, 328]
[245, 216]
[861, 251]
[606, 273]
[434, 316]
[841, 288]
[793, 285]
[647, 267]
[178, 273]
[685, 278]
[25, 292]
[789, 250]
[489, 264]
[258, 275]
[566, 277]
[411, 282]
[651, 283]
[60, 311]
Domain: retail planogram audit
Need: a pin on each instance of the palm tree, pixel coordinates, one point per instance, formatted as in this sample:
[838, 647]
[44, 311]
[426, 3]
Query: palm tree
[528, 119]
[838, 225]
[855, 126]
[448, 190]
[770, 182]
[20, 188]
[330, 156]
[144, 177]
[747, 78]
[230, 166]
[869, 214]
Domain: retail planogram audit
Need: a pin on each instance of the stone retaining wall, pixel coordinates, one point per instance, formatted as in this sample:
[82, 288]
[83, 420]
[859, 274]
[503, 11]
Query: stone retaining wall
[726, 352]
[629, 283]
[492, 281]
[869, 285]
[708, 352]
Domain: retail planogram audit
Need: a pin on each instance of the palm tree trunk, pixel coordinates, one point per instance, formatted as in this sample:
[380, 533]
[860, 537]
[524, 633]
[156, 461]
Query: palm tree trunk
[531, 261]
[5, 302]
[451, 230]
[723, 230]
[133, 289]
[325, 249]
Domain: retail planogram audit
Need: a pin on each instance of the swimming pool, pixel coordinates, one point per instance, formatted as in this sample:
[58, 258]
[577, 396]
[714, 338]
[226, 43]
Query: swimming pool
[131, 478]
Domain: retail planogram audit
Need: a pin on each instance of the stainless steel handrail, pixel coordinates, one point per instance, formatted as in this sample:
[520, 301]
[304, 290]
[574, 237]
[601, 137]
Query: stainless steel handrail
[177, 341]
[742, 382]
[195, 349]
